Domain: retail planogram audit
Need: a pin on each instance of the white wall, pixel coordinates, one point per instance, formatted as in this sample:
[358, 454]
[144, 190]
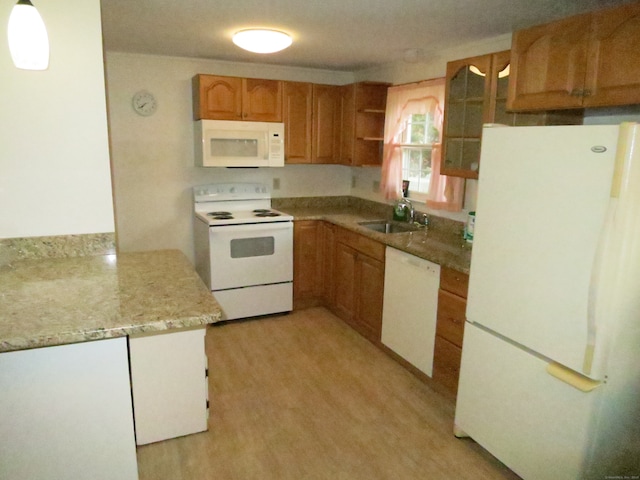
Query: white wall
[54, 157]
[153, 162]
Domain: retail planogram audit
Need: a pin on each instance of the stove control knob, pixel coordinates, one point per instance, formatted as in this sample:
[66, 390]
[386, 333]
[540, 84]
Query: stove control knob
[232, 190]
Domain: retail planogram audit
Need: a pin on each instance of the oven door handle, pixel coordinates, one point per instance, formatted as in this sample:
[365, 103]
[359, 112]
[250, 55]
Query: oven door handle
[252, 227]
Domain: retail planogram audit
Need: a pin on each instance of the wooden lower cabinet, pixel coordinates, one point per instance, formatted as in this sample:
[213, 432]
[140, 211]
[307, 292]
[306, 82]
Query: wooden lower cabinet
[452, 304]
[307, 264]
[369, 284]
[344, 275]
[328, 246]
[359, 281]
[342, 270]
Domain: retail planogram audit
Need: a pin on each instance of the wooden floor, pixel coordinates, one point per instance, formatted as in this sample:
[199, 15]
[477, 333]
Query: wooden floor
[302, 396]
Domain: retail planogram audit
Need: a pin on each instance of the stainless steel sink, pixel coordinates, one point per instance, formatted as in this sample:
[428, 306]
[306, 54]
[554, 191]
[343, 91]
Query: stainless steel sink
[384, 226]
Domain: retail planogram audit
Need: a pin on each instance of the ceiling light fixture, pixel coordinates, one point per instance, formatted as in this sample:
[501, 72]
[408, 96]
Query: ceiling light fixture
[262, 40]
[28, 39]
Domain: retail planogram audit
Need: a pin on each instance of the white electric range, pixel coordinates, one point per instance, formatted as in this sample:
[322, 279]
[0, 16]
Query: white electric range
[244, 249]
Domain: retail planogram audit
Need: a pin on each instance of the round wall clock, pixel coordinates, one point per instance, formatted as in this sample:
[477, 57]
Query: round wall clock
[144, 103]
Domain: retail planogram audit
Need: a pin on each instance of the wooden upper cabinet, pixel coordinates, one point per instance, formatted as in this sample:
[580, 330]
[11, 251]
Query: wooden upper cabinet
[468, 105]
[582, 61]
[613, 66]
[326, 132]
[217, 98]
[233, 98]
[360, 123]
[297, 114]
[347, 124]
[261, 100]
[369, 106]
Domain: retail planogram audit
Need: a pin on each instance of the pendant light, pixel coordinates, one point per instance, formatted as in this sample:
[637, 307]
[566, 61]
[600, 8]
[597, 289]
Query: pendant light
[262, 40]
[28, 39]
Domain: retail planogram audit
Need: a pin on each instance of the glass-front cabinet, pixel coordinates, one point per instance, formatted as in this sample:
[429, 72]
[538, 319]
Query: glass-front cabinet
[476, 94]
[470, 102]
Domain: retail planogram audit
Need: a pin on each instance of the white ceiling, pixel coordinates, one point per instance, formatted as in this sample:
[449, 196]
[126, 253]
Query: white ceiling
[343, 35]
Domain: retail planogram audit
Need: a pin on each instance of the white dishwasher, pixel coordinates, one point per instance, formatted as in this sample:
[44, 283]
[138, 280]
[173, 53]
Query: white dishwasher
[410, 307]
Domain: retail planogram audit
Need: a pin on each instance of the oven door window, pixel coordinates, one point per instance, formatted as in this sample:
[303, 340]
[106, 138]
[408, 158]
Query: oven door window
[252, 247]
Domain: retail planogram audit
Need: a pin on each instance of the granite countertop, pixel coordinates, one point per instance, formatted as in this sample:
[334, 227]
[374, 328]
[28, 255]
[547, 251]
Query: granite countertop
[55, 301]
[441, 242]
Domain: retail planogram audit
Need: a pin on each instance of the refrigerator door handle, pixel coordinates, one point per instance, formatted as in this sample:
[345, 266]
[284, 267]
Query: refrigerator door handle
[582, 383]
[625, 139]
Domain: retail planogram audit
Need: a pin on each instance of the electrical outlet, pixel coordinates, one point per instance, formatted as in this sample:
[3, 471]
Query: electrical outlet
[376, 186]
[276, 184]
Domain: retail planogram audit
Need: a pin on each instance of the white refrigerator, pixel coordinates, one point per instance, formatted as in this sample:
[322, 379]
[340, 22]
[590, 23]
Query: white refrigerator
[550, 374]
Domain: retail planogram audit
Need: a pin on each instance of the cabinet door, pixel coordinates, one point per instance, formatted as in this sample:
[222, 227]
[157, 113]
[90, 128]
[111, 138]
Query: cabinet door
[451, 317]
[369, 281]
[168, 384]
[548, 65]
[345, 293]
[261, 100]
[326, 124]
[307, 266]
[613, 67]
[348, 123]
[297, 108]
[500, 74]
[467, 95]
[446, 364]
[217, 98]
[328, 261]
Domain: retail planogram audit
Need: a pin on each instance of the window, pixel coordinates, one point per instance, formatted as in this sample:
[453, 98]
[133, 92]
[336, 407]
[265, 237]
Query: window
[412, 150]
[419, 136]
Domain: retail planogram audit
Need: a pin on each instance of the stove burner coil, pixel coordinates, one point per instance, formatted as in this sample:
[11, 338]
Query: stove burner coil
[220, 215]
[267, 214]
[261, 210]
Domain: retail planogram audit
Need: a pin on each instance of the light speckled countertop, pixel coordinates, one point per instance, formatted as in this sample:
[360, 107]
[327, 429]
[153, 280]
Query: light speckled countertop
[441, 242]
[55, 301]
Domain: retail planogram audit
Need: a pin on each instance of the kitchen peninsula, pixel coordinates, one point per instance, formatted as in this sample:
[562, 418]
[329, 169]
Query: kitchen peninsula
[68, 326]
[56, 301]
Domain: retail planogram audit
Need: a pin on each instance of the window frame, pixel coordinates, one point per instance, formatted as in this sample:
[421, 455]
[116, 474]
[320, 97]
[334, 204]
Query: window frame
[405, 147]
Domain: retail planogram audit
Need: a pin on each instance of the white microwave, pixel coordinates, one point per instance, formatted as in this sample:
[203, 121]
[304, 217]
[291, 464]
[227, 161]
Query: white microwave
[229, 143]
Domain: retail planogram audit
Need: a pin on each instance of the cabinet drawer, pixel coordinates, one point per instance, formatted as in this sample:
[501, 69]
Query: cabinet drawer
[454, 281]
[361, 243]
[446, 364]
[451, 316]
